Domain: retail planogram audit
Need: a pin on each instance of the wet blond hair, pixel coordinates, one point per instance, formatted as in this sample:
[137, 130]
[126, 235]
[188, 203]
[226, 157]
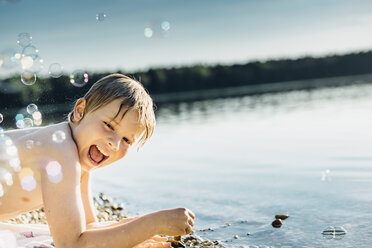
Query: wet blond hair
[135, 97]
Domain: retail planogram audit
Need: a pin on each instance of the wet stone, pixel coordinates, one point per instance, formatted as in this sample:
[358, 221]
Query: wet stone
[277, 223]
[281, 216]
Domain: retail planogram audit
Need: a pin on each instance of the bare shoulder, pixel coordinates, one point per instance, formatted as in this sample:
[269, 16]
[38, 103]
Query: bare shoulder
[37, 145]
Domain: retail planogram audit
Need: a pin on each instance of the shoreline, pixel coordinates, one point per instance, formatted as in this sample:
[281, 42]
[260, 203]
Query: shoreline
[108, 209]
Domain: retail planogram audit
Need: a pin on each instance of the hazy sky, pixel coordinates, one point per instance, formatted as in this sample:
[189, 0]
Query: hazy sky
[201, 31]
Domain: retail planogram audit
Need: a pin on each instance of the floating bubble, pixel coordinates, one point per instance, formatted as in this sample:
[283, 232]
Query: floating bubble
[19, 117]
[55, 70]
[24, 39]
[58, 136]
[29, 144]
[15, 163]
[20, 124]
[54, 171]
[326, 175]
[26, 62]
[11, 151]
[31, 51]
[1, 118]
[28, 78]
[5, 177]
[36, 115]
[79, 78]
[165, 26]
[31, 108]
[148, 32]
[37, 65]
[28, 123]
[8, 58]
[1, 191]
[100, 16]
[37, 118]
[8, 162]
[38, 122]
[28, 183]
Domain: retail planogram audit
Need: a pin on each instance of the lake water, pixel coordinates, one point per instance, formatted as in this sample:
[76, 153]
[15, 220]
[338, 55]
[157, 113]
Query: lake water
[237, 162]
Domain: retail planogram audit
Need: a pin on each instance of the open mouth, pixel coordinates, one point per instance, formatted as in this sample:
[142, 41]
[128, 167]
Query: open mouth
[96, 155]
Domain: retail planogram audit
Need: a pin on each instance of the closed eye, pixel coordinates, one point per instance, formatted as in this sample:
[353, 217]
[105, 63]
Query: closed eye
[126, 140]
[108, 125]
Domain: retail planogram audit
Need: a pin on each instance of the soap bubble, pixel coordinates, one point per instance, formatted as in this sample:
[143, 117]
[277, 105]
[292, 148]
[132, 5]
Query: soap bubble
[32, 108]
[31, 51]
[36, 115]
[28, 123]
[28, 78]
[157, 28]
[29, 144]
[55, 70]
[54, 171]
[19, 117]
[8, 58]
[326, 175]
[38, 122]
[28, 183]
[37, 65]
[9, 162]
[79, 78]
[165, 25]
[37, 118]
[20, 124]
[24, 39]
[26, 62]
[148, 32]
[1, 118]
[15, 163]
[100, 16]
[58, 136]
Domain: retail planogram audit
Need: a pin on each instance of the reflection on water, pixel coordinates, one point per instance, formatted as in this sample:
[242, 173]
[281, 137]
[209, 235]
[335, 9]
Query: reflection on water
[243, 160]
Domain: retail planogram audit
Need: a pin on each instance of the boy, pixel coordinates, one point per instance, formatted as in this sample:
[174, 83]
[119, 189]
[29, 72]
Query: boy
[115, 114]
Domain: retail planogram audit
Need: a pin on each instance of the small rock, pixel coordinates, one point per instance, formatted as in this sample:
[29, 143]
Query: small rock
[277, 223]
[281, 216]
[236, 237]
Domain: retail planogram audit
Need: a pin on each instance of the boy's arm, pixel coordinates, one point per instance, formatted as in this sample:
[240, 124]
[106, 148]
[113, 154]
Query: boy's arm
[65, 213]
[86, 196]
[90, 213]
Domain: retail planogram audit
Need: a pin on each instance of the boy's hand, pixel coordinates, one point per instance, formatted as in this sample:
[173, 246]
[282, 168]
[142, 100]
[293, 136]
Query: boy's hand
[155, 242]
[176, 221]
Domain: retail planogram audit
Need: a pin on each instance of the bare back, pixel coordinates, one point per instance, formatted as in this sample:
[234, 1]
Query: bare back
[36, 148]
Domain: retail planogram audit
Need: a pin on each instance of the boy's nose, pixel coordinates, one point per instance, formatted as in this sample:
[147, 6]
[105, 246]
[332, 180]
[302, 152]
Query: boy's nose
[114, 143]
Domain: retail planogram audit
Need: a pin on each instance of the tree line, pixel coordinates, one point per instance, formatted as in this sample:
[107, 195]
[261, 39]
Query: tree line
[189, 78]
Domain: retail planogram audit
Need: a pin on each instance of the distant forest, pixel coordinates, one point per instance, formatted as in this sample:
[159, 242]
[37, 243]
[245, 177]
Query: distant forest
[198, 77]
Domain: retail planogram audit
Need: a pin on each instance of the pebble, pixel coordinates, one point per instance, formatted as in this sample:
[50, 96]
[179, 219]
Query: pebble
[236, 237]
[281, 216]
[107, 210]
[277, 223]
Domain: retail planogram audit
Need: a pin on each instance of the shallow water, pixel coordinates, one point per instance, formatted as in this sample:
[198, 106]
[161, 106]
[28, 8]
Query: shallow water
[237, 162]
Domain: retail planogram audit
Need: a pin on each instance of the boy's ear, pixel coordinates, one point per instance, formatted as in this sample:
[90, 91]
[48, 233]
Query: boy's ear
[79, 110]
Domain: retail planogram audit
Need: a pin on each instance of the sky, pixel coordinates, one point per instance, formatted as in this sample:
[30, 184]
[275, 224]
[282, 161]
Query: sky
[201, 31]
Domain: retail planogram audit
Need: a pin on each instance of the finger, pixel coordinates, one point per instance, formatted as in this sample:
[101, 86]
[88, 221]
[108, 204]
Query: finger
[188, 230]
[191, 222]
[192, 215]
[161, 245]
[161, 239]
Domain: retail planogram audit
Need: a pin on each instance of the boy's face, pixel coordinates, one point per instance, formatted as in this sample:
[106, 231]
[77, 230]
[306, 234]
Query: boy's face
[102, 138]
